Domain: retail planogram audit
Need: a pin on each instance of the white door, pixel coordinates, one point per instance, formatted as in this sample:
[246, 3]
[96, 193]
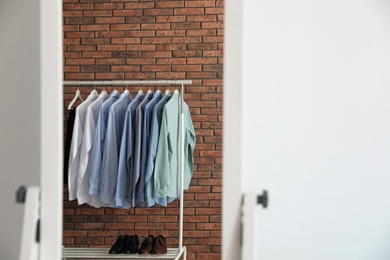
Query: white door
[31, 120]
[316, 127]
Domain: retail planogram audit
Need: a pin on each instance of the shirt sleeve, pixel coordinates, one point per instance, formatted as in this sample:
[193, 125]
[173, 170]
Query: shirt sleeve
[189, 144]
[163, 158]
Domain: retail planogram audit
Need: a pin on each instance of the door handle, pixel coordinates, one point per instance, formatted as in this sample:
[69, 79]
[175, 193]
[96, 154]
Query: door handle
[263, 199]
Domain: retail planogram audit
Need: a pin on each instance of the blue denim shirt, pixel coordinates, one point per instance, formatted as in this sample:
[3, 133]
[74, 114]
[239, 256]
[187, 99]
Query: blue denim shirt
[138, 147]
[110, 161]
[123, 194]
[98, 145]
[156, 116]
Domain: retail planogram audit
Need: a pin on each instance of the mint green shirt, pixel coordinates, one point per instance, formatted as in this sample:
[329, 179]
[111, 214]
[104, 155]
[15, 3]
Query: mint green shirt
[167, 166]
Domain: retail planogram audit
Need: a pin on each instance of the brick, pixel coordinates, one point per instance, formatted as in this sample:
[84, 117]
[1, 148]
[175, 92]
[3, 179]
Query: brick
[170, 19]
[186, 11]
[126, 54]
[192, 25]
[95, 68]
[109, 76]
[171, 47]
[203, 3]
[134, 218]
[202, 46]
[217, 25]
[72, 55]
[156, 40]
[189, 219]
[139, 75]
[141, 19]
[209, 241]
[140, 33]
[110, 34]
[79, 76]
[72, 14]
[71, 28]
[202, 61]
[140, 61]
[186, 39]
[169, 4]
[109, 20]
[125, 27]
[79, 34]
[203, 75]
[187, 54]
[95, 41]
[100, 54]
[98, 13]
[155, 68]
[171, 61]
[212, 53]
[102, 233]
[163, 26]
[79, 61]
[74, 233]
[202, 32]
[186, 68]
[217, 10]
[72, 7]
[119, 226]
[139, 5]
[94, 27]
[125, 68]
[108, 6]
[71, 41]
[157, 11]
[158, 226]
[141, 47]
[80, 48]
[216, 39]
[157, 54]
[111, 47]
[89, 225]
[172, 33]
[110, 61]
[125, 40]
[127, 12]
[170, 75]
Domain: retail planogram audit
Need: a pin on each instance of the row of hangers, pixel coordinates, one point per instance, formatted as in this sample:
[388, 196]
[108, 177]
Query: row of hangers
[95, 93]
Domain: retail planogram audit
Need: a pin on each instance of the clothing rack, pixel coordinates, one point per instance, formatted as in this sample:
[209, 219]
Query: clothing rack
[172, 253]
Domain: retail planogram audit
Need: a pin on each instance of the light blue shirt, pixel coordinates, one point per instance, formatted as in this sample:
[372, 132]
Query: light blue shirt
[156, 117]
[145, 145]
[98, 145]
[137, 150]
[123, 194]
[110, 161]
[167, 173]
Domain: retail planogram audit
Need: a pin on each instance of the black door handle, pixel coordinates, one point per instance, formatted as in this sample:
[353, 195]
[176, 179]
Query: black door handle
[263, 199]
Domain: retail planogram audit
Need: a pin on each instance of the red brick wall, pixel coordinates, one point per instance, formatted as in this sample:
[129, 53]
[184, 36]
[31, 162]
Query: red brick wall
[139, 40]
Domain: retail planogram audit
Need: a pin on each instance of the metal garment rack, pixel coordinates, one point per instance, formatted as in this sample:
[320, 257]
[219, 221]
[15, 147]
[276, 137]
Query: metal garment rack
[98, 253]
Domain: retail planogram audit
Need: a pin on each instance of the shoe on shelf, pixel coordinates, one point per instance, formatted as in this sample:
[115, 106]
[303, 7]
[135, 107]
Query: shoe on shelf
[146, 246]
[159, 245]
[131, 245]
[117, 247]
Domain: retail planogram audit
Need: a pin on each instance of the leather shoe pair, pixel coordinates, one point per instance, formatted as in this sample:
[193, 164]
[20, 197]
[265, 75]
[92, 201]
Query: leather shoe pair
[125, 245]
[153, 245]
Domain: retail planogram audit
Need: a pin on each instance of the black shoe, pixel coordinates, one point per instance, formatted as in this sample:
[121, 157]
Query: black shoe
[147, 245]
[117, 247]
[131, 245]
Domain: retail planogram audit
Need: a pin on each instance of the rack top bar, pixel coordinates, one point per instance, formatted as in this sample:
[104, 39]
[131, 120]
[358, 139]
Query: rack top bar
[129, 82]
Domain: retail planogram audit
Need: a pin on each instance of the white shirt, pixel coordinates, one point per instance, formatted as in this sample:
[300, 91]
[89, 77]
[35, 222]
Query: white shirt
[75, 147]
[86, 151]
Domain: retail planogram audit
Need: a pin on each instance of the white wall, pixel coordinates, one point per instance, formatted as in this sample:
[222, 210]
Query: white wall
[19, 114]
[31, 120]
[315, 80]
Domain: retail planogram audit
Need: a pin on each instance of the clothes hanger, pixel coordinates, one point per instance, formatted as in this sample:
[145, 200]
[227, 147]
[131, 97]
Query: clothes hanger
[126, 91]
[94, 92]
[158, 90]
[76, 96]
[140, 92]
[150, 91]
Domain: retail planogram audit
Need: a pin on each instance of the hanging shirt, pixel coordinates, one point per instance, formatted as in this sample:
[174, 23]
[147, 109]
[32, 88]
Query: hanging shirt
[147, 114]
[86, 149]
[125, 168]
[110, 161]
[137, 149]
[68, 140]
[75, 147]
[156, 116]
[98, 145]
[167, 173]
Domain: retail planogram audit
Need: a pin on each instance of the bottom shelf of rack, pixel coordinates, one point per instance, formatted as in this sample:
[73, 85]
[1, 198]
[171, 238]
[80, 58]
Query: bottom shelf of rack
[102, 253]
